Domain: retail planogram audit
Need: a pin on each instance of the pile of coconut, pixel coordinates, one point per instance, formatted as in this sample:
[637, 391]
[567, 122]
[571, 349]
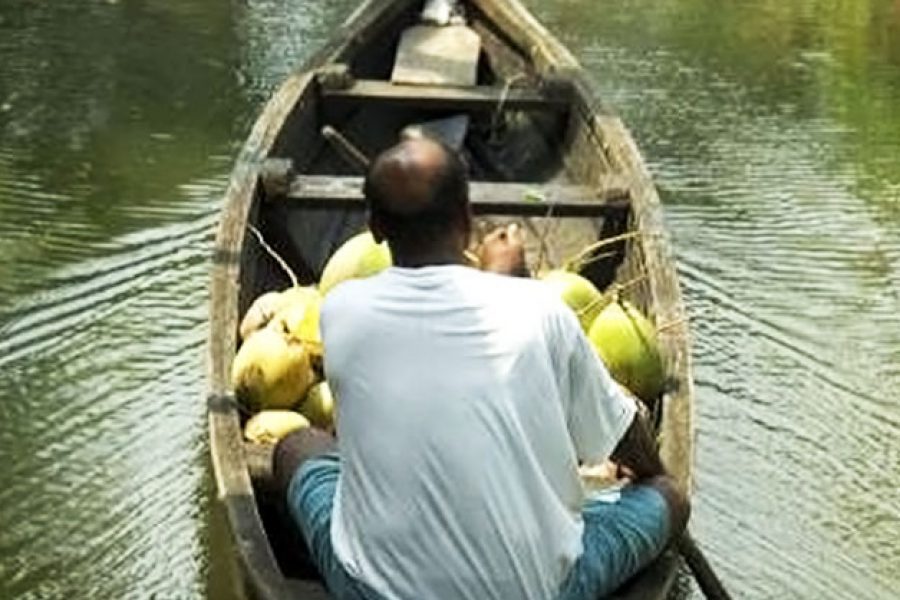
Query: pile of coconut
[277, 373]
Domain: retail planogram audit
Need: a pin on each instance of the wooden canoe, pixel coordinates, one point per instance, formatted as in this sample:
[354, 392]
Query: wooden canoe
[542, 150]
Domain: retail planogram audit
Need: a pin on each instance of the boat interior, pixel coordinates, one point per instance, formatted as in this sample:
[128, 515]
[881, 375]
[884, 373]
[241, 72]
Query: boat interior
[528, 137]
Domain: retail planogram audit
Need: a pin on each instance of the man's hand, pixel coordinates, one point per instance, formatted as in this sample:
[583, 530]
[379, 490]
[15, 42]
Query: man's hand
[503, 251]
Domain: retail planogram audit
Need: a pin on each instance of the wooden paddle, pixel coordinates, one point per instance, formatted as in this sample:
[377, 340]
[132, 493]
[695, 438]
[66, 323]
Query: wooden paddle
[709, 582]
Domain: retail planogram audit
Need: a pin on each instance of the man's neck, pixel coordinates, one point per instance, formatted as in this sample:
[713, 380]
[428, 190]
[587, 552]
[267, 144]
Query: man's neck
[430, 258]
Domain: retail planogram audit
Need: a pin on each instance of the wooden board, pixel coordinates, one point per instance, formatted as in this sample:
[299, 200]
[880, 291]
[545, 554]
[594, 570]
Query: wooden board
[474, 98]
[430, 55]
[603, 147]
[487, 198]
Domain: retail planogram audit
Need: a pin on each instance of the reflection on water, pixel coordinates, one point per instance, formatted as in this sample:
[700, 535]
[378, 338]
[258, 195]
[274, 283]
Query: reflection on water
[774, 133]
[116, 135]
[772, 127]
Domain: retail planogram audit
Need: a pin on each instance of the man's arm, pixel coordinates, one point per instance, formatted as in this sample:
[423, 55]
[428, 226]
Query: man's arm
[502, 251]
[637, 451]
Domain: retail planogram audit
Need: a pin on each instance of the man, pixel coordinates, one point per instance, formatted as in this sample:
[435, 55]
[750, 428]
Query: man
[466, 401]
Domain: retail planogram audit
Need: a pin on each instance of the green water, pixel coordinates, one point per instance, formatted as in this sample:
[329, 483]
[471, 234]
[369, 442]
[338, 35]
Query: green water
[773, 129]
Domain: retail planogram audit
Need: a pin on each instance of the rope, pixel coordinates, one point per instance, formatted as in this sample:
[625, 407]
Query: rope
[273, 254]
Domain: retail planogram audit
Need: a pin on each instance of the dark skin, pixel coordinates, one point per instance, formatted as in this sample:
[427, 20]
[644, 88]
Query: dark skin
[409, 172]
[638, 457]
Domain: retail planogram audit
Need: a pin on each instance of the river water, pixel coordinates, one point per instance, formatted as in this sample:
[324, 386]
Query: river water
[772, 126]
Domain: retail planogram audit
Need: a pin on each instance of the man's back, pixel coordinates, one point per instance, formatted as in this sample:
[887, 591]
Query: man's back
[465, 401]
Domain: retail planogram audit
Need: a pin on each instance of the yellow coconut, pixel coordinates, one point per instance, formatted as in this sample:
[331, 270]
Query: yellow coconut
[298, 318]
[269, 426]
[260, 313]
[578, 292]
[626, 341]
[358, 257]
[271, 371]
[265, 308]
[318, 406]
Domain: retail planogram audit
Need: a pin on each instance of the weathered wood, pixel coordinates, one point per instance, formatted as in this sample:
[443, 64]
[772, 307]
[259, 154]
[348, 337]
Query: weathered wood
[437, 56]
[709, 582]
[664, 294]
[532, 38]
[345, 148]
[276, 175]
[259, 465]
[336, 76]
[506, 61]
[487, 198]
[520, 50]
[226, 449]
[475, 98]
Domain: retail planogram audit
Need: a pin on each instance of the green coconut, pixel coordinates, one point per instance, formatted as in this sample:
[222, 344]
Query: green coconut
[626, 341]
[318, 406]
[358, 257]
[269, 426]
[271, 371]
[578, 293]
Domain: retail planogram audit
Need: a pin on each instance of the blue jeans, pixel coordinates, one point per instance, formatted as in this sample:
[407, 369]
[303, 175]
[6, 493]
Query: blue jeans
[310, 499]
[621, 535]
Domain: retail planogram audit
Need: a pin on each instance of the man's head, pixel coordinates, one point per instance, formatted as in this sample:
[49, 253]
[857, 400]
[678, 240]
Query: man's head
[418, 198]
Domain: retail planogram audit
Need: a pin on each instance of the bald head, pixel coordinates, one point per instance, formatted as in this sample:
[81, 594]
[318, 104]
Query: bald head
[418, 198]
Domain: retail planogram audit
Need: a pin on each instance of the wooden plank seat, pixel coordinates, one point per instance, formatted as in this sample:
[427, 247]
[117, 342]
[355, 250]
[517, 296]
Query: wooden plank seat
[487, 198]
[437, 56]
[459, 98]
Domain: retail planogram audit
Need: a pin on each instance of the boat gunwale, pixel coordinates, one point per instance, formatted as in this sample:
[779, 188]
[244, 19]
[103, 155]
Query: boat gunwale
[553, 61]
[233, 483]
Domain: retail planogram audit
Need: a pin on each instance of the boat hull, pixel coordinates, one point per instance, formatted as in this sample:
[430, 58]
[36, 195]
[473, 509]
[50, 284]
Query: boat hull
[583, 145]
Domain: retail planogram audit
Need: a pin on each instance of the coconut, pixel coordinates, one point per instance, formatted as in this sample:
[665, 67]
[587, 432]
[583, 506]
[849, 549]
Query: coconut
[626, 341]
[269, 426]
[271, 370]
[265, 308]
[298, 319]
[358, 257]
[579, 293]
[260, 313]
[318, 406]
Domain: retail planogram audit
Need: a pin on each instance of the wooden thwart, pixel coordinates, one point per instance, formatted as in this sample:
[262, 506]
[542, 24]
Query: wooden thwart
[437, 56]
[474, 98]
[521, 199]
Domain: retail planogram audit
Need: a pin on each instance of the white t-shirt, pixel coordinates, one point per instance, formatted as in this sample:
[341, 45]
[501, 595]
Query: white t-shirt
[465, 401]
